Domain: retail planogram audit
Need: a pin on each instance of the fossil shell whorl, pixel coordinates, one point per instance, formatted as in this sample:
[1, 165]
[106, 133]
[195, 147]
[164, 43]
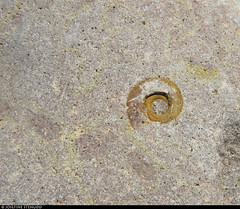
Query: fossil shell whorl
[142, 96]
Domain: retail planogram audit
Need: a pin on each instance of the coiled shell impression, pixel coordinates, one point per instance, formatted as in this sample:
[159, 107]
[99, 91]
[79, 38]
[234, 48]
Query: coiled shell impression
[141, 98]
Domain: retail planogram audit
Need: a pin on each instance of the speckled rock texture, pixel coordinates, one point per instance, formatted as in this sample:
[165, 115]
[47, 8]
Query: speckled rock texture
[66, 69]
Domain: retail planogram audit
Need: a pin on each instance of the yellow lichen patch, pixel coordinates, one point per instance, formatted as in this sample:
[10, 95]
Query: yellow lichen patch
[77, 133]
[72, 164]
[200, 72]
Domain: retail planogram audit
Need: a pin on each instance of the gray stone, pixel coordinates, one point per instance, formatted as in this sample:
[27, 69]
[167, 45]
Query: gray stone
[66, 70]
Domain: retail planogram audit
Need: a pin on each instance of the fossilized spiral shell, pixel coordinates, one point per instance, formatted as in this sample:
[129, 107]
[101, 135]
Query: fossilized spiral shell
[142, 96]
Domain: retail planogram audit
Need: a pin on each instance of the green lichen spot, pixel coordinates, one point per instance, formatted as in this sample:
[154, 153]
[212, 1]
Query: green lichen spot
[201, 73]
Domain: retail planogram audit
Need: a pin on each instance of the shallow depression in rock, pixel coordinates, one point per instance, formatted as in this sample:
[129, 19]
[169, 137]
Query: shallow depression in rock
[159, 106]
